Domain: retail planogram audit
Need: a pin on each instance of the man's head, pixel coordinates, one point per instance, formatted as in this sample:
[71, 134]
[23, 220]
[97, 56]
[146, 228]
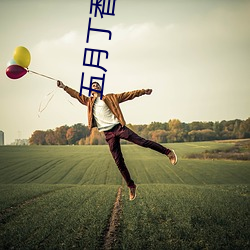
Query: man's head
[96, 86]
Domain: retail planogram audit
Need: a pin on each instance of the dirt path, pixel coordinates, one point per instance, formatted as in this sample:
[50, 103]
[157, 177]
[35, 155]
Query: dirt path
[111, 235]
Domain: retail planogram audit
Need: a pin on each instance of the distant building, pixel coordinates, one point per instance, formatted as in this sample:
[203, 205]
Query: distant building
[1, 138]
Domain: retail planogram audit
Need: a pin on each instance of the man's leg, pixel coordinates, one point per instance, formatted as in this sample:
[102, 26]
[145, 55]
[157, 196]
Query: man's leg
[129, 135]
[115, 149]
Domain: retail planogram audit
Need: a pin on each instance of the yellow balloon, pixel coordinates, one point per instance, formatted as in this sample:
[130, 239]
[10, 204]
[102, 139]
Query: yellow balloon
[22, 56]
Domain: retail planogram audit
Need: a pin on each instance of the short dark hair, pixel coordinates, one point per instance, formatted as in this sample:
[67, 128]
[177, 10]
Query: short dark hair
[97, 84]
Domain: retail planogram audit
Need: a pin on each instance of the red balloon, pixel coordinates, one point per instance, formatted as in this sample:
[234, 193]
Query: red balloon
[15, 71]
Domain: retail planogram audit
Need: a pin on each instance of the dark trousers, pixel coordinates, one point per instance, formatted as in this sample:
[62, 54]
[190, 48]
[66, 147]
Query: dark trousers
[113, 137]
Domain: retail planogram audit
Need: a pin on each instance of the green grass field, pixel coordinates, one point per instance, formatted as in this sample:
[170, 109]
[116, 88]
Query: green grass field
[62, 197]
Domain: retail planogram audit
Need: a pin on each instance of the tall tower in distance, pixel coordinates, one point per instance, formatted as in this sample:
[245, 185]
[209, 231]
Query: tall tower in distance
[1, 138]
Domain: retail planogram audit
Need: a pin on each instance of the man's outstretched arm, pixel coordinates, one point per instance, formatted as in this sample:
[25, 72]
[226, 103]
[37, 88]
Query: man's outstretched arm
[132, 94]
[82, 99]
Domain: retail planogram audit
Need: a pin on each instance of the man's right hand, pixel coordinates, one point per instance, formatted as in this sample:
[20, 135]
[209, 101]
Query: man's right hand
[60, 84]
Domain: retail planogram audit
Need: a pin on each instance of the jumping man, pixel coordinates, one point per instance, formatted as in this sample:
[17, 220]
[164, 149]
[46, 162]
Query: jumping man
[107, 116]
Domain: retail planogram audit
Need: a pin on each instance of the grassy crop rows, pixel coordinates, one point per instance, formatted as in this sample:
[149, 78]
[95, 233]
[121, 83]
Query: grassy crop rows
[65, 218]
[57, 165]
[187, 217]
[62, 197]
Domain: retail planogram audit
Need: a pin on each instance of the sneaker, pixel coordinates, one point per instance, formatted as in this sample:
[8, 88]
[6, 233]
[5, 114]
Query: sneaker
[172, 157]
[132, 193]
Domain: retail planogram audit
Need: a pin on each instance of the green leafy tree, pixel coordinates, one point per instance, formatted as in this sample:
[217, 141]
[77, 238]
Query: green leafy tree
[202, 135]
[245, 129]
[157, 126]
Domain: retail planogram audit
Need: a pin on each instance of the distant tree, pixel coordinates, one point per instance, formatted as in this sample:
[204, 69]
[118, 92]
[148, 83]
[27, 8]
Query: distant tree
[37, 138]
[245, 129]
[175, 124]
[141, 130]
[236, 128]
[76, 133]
[157, 126]
[175, 133]
[145, 133]
[60, 134]
[82, 141]
[159, 135]
[185, 130]
[96, 137]
[202, 135]
[70, 136]
[50, 137]
[196, 126]
[81, 131]
[217, 129]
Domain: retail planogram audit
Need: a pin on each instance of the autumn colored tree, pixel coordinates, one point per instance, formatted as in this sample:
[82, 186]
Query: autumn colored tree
[159, 135]
[70, 135]
[50, 137]
[172, 131]
[77, 133]
[60, 134]
[175, 133]
[95, 138]
[38, 138]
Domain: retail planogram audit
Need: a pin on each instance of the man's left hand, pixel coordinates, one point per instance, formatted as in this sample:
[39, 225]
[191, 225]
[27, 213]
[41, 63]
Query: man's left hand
[148, 91]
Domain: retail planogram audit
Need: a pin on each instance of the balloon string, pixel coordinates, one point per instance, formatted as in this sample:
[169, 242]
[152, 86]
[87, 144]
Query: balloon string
[50, 96]
[71, 103]
[31, 71]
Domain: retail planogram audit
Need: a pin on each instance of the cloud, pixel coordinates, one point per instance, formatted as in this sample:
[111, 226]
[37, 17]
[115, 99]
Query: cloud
[73, 40]
[66, 41]
[68, 49]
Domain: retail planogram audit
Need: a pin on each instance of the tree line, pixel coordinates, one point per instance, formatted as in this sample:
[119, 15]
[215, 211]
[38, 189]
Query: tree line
[172, 131]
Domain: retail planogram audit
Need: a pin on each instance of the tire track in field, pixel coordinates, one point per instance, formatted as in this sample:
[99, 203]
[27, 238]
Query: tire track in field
[83, 180]
[67, 172]
[6, 214]
[195, 178]
[94, 175]
[46, 166]
[48, 169]
[112, 228]
[176, 175]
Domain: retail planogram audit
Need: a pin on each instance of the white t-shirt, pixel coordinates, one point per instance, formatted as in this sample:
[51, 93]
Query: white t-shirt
[105, 119]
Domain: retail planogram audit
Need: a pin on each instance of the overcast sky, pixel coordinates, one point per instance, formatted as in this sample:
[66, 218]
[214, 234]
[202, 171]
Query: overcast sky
[194, 54]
